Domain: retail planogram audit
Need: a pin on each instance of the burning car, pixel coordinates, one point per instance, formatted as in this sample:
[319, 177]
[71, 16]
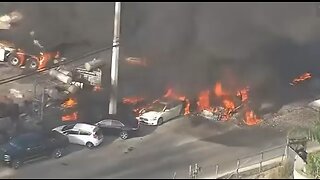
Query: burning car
[226, 105]
[161, 111]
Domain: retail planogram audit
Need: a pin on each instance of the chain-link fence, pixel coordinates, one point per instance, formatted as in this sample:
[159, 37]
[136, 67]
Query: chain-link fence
[233, 168]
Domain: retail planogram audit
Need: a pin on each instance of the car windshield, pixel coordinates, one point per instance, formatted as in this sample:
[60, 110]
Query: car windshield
[98, 132]
[158, 107]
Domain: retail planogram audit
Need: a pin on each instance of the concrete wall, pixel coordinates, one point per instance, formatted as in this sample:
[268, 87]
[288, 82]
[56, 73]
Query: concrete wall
[299, 164]
[298, 169]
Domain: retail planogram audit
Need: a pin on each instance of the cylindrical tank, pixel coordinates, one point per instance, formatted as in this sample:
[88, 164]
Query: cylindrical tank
[71, 88]
[60, 76]
[91, 65]
[65, 72]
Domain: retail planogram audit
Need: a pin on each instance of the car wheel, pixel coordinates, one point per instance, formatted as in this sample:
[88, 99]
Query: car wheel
[124, 135]
[57, 153]
[160, 121]
[14, 60]
[16, 164]
[32, 64]
[89, 145]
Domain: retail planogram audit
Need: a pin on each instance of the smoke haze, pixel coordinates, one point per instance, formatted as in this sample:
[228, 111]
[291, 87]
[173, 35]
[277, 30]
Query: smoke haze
[190, 45]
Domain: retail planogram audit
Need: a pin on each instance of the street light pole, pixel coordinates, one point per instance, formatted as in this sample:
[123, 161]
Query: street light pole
[115, 60]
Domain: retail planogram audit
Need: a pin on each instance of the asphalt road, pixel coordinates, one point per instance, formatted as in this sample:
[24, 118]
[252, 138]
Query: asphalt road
[159, 152]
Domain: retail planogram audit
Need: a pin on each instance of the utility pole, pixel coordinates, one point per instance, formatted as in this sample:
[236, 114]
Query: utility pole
[115, 60]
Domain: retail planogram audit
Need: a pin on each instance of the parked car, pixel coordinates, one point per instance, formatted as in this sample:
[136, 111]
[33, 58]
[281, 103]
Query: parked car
[161, 111]
[29, 146]
[124, 127]
[82, 134]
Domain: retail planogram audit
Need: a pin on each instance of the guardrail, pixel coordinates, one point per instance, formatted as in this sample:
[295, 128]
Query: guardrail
[227, 170]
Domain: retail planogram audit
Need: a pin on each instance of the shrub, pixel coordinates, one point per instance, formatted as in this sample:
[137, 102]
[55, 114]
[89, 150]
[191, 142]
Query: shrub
[313, 164]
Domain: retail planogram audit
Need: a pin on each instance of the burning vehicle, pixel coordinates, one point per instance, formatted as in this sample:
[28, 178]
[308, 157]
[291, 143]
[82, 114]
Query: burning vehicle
[136, 103]
[17, 57]
[7, 20]
[161, 111]
[226, 105]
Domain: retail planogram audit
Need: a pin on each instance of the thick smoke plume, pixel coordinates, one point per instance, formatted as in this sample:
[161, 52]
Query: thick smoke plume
[190, 45]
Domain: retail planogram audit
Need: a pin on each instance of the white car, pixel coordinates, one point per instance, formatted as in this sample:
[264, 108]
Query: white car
[161, 111]
[82, 134]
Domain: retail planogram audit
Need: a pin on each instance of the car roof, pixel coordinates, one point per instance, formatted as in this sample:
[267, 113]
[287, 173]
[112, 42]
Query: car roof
[124, 119]
[27, 138]
[83, 126]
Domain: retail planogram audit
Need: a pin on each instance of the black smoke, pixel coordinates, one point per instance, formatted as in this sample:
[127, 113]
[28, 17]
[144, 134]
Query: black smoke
[190, 46]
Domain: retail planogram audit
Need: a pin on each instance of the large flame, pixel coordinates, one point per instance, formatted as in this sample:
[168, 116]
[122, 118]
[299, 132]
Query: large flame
[69, 103]
[251, 118]
[301, 78]
[227, 105]
[218, 91]
[204, 100]
[243, 94]
[70, 117]
[174, 95]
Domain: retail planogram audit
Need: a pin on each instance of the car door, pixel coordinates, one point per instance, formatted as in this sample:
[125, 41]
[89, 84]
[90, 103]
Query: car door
[167, 115]
[116, 126]
[176, 110]
[105, 126]
[83, 137]
[35, 149]
[72, 135]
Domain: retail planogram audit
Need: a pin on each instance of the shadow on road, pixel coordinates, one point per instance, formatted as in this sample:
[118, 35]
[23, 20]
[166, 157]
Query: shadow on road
[248, 137]
[145, 130]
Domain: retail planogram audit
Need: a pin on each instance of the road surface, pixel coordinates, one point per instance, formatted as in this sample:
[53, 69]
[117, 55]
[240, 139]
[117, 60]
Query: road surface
[159, 152]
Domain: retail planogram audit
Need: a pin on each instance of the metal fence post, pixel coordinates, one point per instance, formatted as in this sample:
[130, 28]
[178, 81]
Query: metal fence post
[196, 171]
[190, 171]
[286, 149]
[260, 168]
[217, 170]
[238, 166]
[174, 175]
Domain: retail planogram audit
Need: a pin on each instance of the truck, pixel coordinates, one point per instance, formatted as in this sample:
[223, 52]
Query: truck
[14, 56]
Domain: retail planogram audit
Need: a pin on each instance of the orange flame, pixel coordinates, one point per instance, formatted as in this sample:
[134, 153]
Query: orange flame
[228, 104]
[218, 91]
[303, 77]
[69, 103]
[203, 100]
[251, 118]
[243, 94]
[70, 117]
[132, 100]
[171, 94]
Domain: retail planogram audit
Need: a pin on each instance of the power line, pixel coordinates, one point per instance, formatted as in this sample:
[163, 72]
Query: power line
[21, 76]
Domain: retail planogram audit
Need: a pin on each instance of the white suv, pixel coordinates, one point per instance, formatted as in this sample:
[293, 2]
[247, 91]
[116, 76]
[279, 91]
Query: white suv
[81, 133]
